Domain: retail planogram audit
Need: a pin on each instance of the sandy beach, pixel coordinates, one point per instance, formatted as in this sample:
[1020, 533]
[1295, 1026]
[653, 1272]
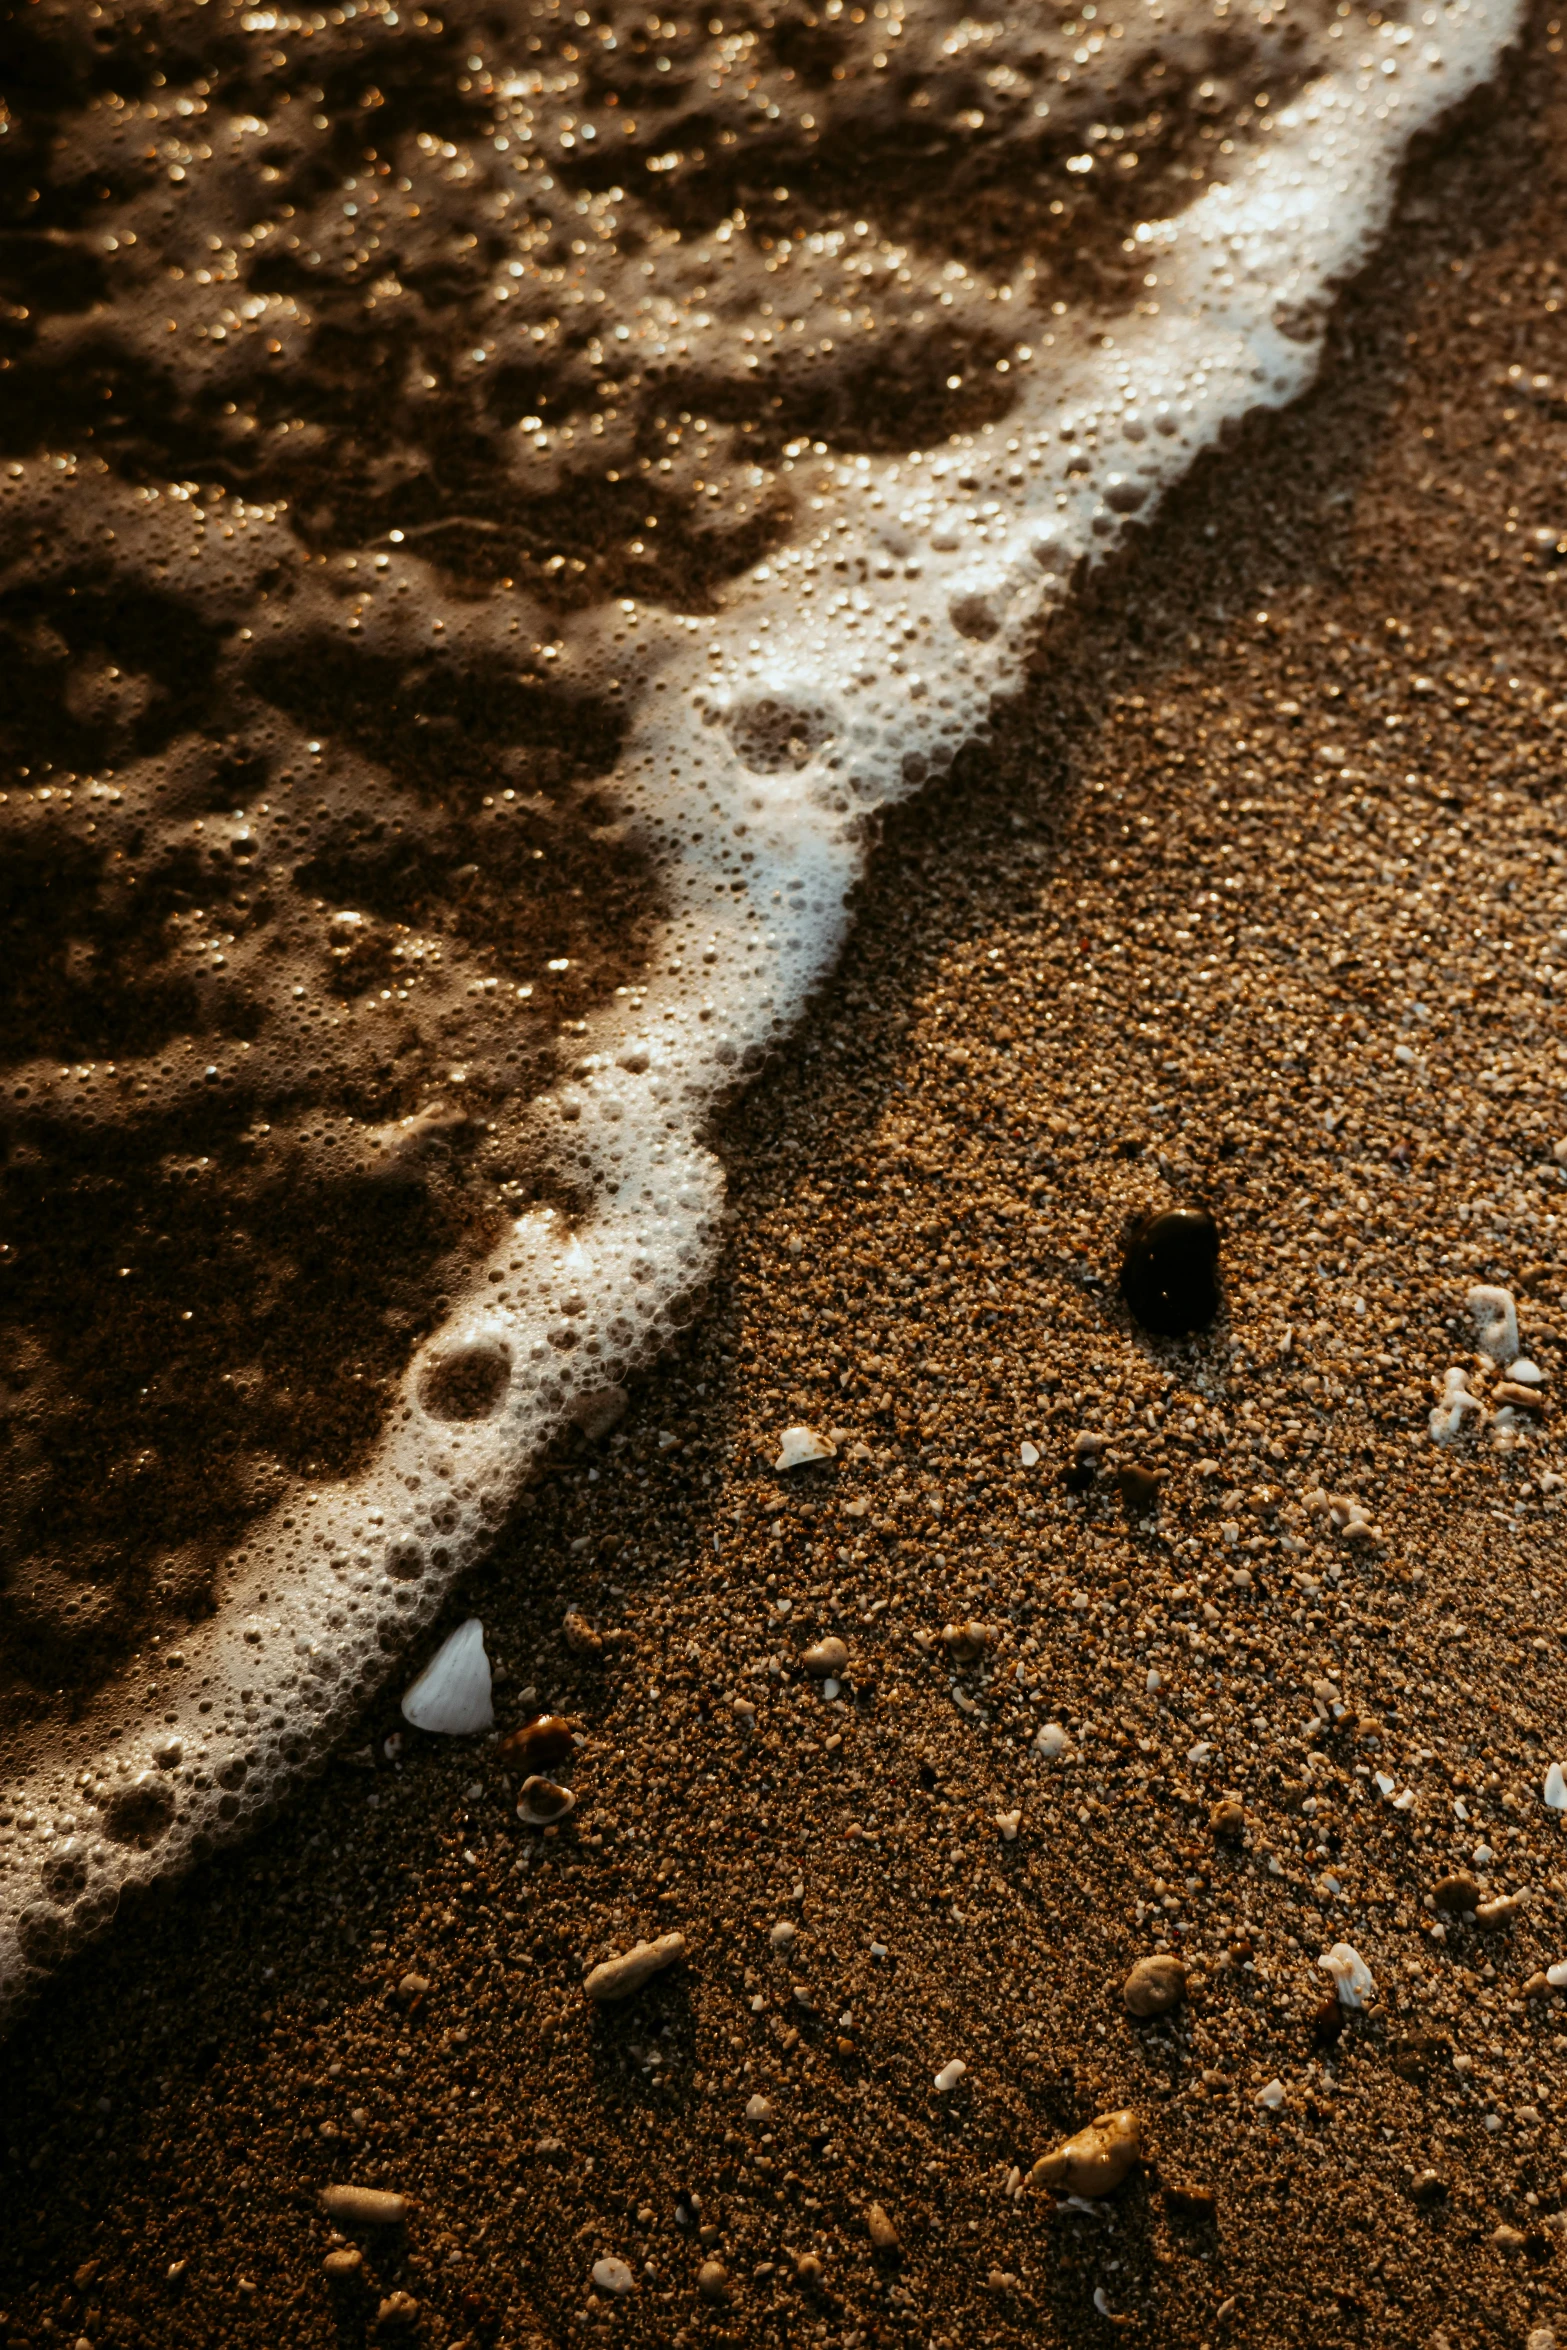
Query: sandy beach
[1256, 899]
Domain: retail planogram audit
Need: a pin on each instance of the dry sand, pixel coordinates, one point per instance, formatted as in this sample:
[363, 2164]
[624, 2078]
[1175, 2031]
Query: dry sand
[1253, 899]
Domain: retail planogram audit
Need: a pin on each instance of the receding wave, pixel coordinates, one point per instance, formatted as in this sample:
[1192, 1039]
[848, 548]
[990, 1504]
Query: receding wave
[491, 508]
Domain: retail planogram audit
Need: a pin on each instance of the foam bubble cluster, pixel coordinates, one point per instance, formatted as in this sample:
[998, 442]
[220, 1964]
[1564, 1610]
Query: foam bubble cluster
[487, 520]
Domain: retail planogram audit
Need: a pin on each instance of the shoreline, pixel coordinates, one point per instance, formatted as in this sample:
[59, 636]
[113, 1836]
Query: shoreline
[928, 1111]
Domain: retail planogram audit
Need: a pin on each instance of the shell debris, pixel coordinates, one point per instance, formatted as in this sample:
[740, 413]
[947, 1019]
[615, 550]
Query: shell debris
[452, 1696]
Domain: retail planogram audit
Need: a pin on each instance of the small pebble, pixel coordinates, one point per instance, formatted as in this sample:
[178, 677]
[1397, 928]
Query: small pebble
[343, 2262]
[1272, 2096]
[883, 2235]
[712, 2281]
[759, 2109]
[1351, 1975]
[1097, 2160]
[1495, 1318]
[1227, 1820]
[799, 1446]
[828, 1656]
[542, 1744]
[398, 2313]
[612, 2276]
[1154, 1986]
[1138, 1488]
[364, 2207]
[966, 1643]
[412, 1989]
[618, 1978]
[808, 2268]
[581, 1637]
[951, 2073]
[1428, 2187]
[1192, 2201]
[1454, 1895]
[1052, 1742]
[782, 1935]
[1555, 1788]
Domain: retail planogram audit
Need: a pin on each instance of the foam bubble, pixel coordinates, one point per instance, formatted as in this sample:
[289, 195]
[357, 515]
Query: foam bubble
[669, 664]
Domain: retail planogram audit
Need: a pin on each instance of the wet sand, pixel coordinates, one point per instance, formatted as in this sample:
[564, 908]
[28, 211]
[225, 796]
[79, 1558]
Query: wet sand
[1251, 900]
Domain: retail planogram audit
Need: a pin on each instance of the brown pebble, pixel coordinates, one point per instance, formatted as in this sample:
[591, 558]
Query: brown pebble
[617, 1978]
[344, 2261]
[828, 1656]
[412, 1989]
[966, 1642]
[1454, 1895]
[1154, 1986]
[1537, 1987]
[712, 2281]
[364, 2207]
[581, 1638]
[397, 2313]
[808, 2268]
[1193, 2202]
[1327, 2023]
[1138, 1488]
[1227, 1820]
[1097, 2160]
[540, 1744]
[1429, 2187]
[883, 2235]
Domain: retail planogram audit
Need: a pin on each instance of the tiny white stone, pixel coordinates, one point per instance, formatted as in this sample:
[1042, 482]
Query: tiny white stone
[1052, 1741]
[1556, 1975]
[1200, 1752]
[613, 2276]
[1526, 1374]
[1555, 1789]
[452, 1694]
[1009, 1822]
[799, 1445]
[783, 1934]
[1272, 2096]
[1028, 1454]
[1386, 1784]
[1154, 1681]
[950, 2074]
[759, 2109]
[1351, 1975]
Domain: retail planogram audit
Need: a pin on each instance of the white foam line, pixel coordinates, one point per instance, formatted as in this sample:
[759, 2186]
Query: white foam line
[977, 541]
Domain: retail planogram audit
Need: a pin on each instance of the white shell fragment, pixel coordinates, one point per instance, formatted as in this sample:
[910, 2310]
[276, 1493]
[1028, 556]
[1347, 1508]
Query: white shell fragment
[797, 1446]
[1495, 1318]
[1556, 1975]
[950, 2074]
[1555, 1788]
[1526, 1374]
[452, 1694]
[758, 2108]
[1051, 1742]
[543, 1802]
[1453, 1401]
[1352, 1977]
[1028, 1454]
[613, 2276]
[1272, 2096]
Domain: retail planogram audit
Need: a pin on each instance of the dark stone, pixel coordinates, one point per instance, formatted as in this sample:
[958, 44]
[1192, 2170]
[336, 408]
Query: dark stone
[1327, 2025]
[1079, 1477]
[1429, 2187]
[1170, 1276]
[1139, 1489]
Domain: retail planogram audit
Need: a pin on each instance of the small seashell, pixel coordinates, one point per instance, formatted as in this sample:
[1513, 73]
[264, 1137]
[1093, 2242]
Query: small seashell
[452, 1695]
[1526, 1374]
[539, 1744]
[1097, 2160]
[1495, 1318]
[799, 1446]
[581, 1638]
[1352, 1977]
[618, 1978]
[613, 2277]
[1169, 1277]
[1154, 1986]
[1053, 1742]
[951, 2073]
[542, 1802]
[365, 2207]
[1009, 1823]
[1273, 2096]
[966, 1643]
[828, 1656]
[1555, 1789]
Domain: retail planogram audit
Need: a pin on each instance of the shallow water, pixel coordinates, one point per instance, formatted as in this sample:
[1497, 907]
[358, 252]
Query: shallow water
[494, 506]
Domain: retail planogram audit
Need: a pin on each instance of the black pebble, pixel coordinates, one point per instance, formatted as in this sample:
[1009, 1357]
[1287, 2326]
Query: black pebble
[1170, 1279]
